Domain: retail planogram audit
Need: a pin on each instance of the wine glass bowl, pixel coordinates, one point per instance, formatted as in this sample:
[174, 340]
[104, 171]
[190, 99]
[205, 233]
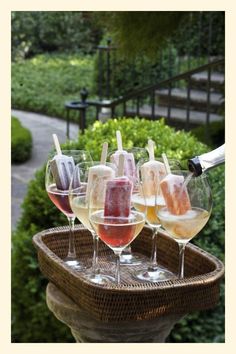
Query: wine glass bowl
[183, 226]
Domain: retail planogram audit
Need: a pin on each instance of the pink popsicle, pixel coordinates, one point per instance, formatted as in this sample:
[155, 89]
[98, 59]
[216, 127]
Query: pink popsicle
[129, 163]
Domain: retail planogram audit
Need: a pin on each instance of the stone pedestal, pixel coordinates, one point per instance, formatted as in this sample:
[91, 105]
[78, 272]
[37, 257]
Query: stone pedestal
[87, 329]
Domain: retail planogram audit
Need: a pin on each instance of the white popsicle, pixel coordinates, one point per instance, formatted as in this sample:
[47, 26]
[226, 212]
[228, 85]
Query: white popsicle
[98, 175]
[152, 172]
[129, 162]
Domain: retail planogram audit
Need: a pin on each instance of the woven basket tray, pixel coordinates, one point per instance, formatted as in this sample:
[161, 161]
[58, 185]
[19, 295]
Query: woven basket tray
[132, 300]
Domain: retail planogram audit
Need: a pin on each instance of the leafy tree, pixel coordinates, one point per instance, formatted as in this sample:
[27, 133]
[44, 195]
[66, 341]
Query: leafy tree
[35, 32]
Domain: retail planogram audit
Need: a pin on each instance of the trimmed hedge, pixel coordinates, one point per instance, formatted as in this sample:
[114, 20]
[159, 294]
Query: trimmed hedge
[21, 142]
[43, 83]
[32, 321]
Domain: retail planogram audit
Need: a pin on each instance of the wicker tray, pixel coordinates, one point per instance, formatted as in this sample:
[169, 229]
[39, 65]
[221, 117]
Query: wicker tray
[131, 300]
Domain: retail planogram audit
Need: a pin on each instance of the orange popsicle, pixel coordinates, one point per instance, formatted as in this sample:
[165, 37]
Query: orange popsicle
[175, 194]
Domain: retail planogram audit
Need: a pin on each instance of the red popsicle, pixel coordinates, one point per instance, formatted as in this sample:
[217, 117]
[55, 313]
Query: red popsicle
[118, 197]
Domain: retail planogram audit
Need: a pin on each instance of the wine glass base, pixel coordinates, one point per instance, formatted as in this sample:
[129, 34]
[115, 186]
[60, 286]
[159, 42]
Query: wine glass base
[100, 279]
[154, 275]
[74, 263]
[130, 259]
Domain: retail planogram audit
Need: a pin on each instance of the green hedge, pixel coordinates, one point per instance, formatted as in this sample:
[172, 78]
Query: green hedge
[43, 83]
[32, 321]
[21, 142]
[216, 133]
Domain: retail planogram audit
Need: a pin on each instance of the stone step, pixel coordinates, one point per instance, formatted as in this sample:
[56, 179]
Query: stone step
[176, 114]
[199, 80]
[198, 99]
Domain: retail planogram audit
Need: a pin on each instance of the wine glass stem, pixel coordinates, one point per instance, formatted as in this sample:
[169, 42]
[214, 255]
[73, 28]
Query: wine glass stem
[154, 249]
[181, 260]
[95, 254]
[118, 268]
[71, 251]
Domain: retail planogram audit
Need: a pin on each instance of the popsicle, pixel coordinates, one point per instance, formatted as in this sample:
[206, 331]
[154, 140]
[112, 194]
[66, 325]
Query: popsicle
[152, 172]
[175, 192]
[118, 193]
[129, 162]
[62, 167]
[98, 175]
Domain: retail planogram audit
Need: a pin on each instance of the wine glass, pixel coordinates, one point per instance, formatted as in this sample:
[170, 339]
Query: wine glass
[60, 197]
[154, 201]
[127, 257]
[196, 200]
[79, 202]
[116, 223]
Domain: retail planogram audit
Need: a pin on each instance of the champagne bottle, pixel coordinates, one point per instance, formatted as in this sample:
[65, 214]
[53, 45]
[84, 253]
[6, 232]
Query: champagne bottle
[205, 162]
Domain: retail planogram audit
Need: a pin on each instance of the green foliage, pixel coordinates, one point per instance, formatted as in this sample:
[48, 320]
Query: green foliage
[21, 142]
[216, 134]
[147, 32]
[32, 321]
[40, 31]
[135, 132]
[43, 83]
[142, 31]
[29, 309]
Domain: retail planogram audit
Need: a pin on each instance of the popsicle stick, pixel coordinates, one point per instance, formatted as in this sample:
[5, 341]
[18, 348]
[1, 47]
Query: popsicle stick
[104, 153]
[166, 163]
[151, 149]
[57, 144]
[121, 163]
[119, 140]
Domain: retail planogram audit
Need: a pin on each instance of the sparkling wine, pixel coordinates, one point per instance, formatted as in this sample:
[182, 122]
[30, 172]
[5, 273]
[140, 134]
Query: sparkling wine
[80, 208]
[117, 232]
[184, 227]
[153, 204]
[61, 199]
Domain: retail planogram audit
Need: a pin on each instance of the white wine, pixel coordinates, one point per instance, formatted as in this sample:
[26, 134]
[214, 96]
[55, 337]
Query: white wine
[153, 204]
[184, 227]
[80, 208]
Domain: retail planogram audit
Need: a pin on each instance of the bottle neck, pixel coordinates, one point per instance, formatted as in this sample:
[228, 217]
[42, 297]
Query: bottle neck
[205, 162]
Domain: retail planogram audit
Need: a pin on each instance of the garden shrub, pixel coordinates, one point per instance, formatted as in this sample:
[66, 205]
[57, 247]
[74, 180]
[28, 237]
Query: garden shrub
[216, 133]
[32, 321]
[44, 83]
[21, 142]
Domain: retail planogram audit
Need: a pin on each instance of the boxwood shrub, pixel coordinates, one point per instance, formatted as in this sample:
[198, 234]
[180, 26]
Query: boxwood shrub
[21, 142]
[32, 321]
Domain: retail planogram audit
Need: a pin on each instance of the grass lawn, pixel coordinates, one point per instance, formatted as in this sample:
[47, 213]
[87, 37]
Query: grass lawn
[43, 83]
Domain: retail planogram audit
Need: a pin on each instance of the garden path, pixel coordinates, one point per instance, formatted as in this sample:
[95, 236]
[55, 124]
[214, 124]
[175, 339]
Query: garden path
[41, 127]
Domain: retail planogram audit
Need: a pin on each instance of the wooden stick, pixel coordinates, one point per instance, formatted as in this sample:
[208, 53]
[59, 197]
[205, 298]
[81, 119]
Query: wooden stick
[121, 165]
[104, 153]
[166, 163]
[151, 149]
[119, 140]
[57, 144]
